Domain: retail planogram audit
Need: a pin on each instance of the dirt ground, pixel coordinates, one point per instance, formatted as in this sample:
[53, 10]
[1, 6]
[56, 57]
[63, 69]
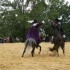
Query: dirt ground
[10, 58]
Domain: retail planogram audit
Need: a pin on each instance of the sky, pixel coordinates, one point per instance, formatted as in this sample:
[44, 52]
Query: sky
[65, 1]
[11, 0]
[68, 1]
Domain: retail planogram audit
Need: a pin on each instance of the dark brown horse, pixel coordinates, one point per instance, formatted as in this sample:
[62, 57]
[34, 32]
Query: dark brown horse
[58, 41]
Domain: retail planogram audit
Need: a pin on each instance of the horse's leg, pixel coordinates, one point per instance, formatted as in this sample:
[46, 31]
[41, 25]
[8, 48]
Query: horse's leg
[40, 49]
[56, 48]
[24, 50]
[32, 52]
[52, 49]
[57, 51]
[63, 48]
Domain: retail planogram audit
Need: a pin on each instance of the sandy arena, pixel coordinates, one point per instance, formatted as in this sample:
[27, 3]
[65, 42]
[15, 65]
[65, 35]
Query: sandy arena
[10, 58]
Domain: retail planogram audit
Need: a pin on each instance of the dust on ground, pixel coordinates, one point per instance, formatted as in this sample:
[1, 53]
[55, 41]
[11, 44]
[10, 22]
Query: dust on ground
[10, 58]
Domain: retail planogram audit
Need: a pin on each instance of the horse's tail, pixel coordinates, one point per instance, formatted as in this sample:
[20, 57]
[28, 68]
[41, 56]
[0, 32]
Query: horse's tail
[30, 42]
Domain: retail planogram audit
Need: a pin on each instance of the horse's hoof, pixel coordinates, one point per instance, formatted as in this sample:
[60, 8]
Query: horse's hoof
[32, 55]
[39, 53]
[22, 56]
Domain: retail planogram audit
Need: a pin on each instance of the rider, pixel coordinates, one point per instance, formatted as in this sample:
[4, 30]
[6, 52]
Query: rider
[57, 24]
[33, 32]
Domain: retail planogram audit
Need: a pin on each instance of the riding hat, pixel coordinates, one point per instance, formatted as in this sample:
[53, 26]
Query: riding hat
[34, 23]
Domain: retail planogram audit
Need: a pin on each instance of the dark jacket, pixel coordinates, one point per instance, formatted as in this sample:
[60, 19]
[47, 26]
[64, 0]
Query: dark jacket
[58, 27]
[33, 32]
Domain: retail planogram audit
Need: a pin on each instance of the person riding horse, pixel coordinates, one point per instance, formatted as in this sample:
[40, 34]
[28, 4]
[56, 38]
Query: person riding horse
[58, 38]
[56, 25]
[32, 37]
[33, 32]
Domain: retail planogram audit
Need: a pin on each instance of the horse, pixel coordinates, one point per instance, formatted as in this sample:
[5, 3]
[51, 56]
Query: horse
[33, 39]
[42, 34]
[31, 43]
[58, 42]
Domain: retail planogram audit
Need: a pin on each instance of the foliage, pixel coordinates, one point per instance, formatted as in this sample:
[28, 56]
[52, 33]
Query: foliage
[14, 23]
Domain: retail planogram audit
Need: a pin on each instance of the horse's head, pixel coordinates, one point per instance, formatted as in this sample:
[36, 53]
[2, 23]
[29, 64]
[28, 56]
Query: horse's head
[42, 34]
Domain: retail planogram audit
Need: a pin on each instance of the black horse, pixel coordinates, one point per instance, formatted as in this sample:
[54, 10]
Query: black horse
[58, 40]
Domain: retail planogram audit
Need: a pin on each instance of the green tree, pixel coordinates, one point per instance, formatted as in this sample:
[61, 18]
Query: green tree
[15, 23]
